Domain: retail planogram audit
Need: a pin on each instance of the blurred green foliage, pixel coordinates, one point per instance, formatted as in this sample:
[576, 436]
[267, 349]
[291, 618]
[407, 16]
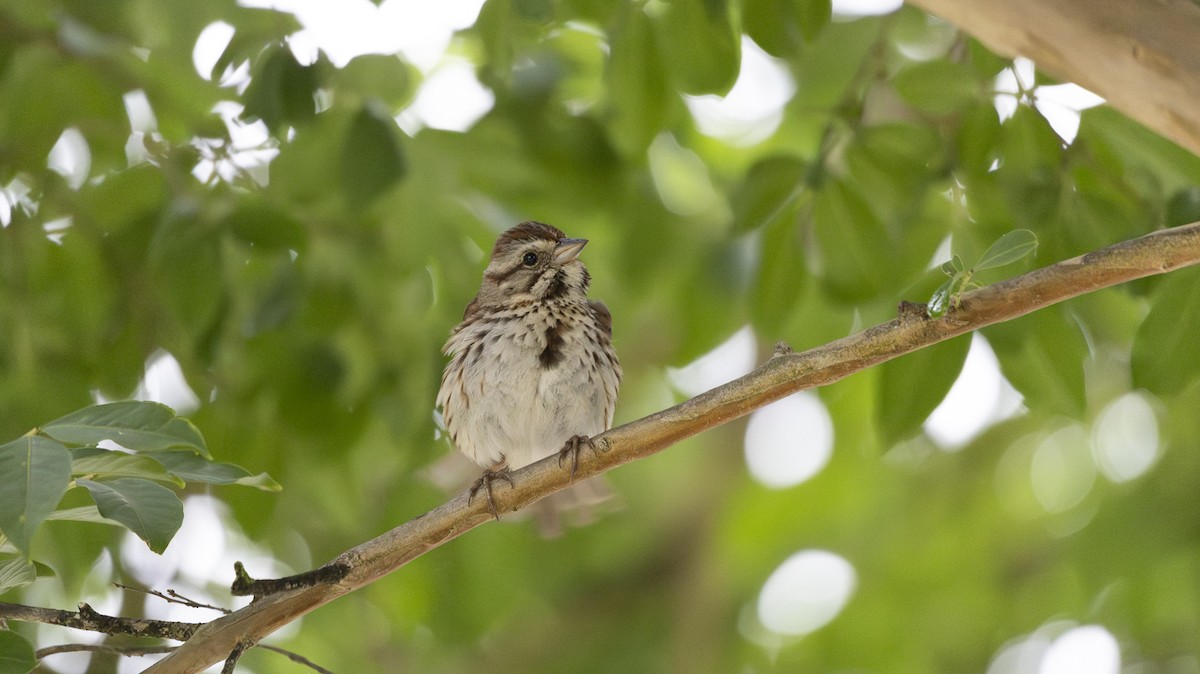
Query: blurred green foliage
[67, 453]
[307, 302]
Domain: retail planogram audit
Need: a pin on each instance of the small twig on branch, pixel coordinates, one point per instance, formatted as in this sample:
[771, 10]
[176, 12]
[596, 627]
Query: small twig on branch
[782, 375]
[234, 656]
[196, 604]
[296, 658]
[130, 651]
[245, 586]
[174, 597]
[88, 619]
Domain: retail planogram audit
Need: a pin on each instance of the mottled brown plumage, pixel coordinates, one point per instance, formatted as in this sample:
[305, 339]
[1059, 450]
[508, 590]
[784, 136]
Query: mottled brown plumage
[532, 368]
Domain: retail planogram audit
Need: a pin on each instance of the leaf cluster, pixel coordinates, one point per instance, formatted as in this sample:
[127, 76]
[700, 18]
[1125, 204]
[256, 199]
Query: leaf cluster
[128, 484]
[1006, 250]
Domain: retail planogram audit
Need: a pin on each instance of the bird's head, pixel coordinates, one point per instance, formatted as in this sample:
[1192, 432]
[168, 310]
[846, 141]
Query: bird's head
[534, 261]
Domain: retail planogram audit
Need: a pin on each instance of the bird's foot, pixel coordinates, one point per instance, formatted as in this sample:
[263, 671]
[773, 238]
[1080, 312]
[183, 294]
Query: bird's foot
[572, 448]
[485, 483]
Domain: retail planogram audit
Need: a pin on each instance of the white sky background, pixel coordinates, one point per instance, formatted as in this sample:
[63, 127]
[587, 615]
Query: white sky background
[786, 443]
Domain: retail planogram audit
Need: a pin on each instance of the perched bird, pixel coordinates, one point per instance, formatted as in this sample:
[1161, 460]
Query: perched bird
[532, 368]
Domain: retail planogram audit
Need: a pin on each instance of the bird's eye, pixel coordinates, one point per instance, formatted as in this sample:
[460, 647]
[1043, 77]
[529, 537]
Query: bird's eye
[530, 259]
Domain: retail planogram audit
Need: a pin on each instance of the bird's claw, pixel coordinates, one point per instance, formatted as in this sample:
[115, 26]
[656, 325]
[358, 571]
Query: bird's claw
[485, 482]
[572, 448]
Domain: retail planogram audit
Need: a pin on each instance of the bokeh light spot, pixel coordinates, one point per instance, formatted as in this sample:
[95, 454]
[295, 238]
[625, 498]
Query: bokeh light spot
[1062, 470]
[753, 108]
[806, 592]
[1088, 649]
[71, 157]
[729, 360]
[789, 441]
[849, 9]
[980, 397]
[451, 99]
[1020, 657]
[210, 45]
[1125, 440]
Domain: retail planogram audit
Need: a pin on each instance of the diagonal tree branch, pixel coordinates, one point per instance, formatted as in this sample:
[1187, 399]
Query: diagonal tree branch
[784, 374]
[1142, 57]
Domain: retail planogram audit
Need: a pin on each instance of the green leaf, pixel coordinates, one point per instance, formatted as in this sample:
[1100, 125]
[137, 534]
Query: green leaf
[151, 511]
[812, 16]
[781, 27]
[938, 87]
[16, 654]
[37, 80]
[782, 271]
[196, 469]
[262, 482]
[103, 463]
[372, 158]
[977, 138]
[984, 62]
[1140, 147]
[639, 101]
[939, 302]
[912, 386]
[1029, 142]
[135, 424]
[382, 76]
[1042, 355]
[771, 186]
[897, 161]
[43, 570]
[281, 90]
[831, 67]
[125, 197]
[80, 514]
[90, 425]
[35, 473]
[1184, 207]
[504, 28]
[256, 28]
[1029, 173]
[185, 265]
[699, 45]
[1008, 249]
[1165, 359]
[855, 248]
[15, 572]
[266, 227]
[303, 172]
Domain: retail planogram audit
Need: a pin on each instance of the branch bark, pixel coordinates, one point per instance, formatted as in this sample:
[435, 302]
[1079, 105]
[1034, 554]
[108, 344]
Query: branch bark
[88, 619]
[1142, 57]
[785, 373]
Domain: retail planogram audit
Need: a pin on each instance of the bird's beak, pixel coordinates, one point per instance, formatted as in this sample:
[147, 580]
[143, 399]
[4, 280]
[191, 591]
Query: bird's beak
[568, 249]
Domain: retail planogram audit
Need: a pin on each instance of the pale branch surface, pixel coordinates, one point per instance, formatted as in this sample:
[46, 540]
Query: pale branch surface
[1142, 57]
[783, 374]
